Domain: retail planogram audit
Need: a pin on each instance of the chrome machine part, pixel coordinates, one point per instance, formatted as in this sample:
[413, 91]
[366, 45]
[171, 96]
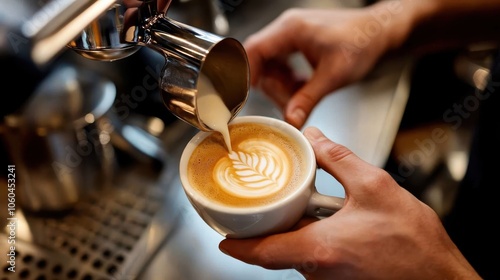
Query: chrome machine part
[112, 234]
[57, 23]
[60, 140]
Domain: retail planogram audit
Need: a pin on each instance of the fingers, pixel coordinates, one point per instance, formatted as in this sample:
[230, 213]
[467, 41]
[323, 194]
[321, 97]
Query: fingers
[305, 221]
[327, 78]
[302, 102]
[269, 51]
[267, 57]
[271, 43]
[278, 82]
[272, 252]
[280, 251]
[339, 161]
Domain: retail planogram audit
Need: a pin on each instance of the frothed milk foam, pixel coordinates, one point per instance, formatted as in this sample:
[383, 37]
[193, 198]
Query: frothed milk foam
[264, 166]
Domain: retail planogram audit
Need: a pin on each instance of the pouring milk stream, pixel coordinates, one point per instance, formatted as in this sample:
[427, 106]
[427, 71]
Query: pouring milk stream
[212, 110]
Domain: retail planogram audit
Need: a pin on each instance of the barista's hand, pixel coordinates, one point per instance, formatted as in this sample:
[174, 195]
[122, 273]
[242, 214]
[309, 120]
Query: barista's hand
[382, 231]
[341, 45]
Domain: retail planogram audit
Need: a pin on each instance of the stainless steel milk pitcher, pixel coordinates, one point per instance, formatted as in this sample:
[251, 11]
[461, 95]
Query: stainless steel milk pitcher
[188, 53]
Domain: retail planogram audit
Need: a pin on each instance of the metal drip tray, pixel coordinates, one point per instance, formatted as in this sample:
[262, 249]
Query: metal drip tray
[110, 235]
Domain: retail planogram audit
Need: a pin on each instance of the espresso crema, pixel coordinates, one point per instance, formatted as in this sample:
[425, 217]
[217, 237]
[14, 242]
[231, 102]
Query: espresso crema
[263, 166]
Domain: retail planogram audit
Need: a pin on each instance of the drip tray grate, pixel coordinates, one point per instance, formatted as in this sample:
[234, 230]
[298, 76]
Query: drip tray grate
[109, 235]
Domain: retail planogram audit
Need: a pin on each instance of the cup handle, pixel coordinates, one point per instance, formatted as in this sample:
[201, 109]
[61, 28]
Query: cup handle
[323, 205]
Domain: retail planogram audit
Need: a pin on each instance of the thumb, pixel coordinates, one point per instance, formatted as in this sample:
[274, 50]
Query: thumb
[339, 161]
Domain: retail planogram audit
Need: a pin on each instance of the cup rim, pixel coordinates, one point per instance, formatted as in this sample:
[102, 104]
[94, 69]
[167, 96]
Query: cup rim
[205, 202]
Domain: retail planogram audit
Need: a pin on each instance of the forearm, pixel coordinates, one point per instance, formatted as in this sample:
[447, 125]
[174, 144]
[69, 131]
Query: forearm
[424, 26]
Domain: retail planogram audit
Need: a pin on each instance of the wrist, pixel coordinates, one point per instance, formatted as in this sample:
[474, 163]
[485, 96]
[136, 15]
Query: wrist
[403, 18]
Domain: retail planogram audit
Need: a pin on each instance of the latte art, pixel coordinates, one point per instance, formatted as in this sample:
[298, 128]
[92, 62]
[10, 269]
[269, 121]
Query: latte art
[254, 169]
[265, 166]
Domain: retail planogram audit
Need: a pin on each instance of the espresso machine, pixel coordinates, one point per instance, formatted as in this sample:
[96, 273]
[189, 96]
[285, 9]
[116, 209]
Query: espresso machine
[99, 92]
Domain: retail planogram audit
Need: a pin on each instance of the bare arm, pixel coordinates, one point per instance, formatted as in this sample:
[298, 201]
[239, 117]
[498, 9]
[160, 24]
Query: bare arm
[437, 25]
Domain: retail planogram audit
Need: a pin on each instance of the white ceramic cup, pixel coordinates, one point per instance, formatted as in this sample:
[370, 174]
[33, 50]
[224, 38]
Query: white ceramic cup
[243, 222]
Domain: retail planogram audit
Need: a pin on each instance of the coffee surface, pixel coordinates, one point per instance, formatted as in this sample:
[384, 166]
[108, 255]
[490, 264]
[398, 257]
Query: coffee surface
[263, 167]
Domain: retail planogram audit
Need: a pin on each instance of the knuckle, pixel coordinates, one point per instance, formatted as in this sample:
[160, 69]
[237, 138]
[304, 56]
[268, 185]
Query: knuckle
[307, 100]
[336, 152]
[375, 179]
[251, 41]
[291, 14]
[292, 18]
[266, 260]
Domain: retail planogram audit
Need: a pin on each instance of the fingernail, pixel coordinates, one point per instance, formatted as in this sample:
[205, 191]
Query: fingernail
[298, 117]
[223, 250]
[313, 134]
